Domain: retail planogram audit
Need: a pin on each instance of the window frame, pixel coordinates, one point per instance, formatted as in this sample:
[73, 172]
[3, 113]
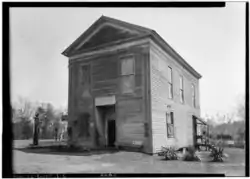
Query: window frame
[193, 95]
[129, 57]
[182, 98]
[170, 83]
[123, 76]
[170, 124]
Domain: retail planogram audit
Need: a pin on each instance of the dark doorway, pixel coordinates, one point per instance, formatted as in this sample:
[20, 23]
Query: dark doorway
[106, 116]
[111, 133]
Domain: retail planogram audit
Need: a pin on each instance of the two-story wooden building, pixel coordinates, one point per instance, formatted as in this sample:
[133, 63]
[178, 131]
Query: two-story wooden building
[129, 88]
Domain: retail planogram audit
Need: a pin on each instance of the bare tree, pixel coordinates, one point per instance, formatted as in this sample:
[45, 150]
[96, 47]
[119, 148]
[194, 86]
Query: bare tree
[241, 109]
[25, 109]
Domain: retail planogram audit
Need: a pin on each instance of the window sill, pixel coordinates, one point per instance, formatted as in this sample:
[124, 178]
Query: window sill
[171, 137]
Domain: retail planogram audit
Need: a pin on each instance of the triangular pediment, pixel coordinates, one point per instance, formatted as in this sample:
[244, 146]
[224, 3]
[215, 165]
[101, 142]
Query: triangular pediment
[103, 32]
[106, 34]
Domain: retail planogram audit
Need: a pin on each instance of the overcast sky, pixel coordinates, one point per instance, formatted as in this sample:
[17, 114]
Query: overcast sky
[212, 40]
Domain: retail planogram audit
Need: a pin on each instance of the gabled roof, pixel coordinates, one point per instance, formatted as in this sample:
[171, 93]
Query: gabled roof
[134, 31]
[110, 26]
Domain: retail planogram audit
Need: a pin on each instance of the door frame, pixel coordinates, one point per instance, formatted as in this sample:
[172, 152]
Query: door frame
[102, 102]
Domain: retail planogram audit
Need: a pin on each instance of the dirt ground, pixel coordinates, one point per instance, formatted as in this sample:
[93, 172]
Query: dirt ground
[42, 161]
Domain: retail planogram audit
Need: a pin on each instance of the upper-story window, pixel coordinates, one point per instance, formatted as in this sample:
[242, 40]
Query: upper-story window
[170, 83]
[181, 90]
[193, 95]
[127, 75]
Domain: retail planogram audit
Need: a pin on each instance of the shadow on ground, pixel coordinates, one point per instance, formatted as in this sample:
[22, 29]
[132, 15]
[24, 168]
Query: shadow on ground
[64, 150]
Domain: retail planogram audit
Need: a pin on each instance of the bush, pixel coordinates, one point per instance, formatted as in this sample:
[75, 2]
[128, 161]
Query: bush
[217, 154]
[22, 130]
[168, 153]
[190, 154]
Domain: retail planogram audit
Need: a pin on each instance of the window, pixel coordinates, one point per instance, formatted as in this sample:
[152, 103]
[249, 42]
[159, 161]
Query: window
[193, 95]
[128, 66]
[170, 84]
[170, 124]
[128, 75]
[181, 90]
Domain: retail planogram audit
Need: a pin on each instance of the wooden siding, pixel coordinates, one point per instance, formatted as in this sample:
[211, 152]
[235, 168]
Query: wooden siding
[131, 107]
[105, 80]
[159, 61]
[81, 105]
[105, 68]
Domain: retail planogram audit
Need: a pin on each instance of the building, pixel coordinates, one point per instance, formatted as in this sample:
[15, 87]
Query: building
[129, 88]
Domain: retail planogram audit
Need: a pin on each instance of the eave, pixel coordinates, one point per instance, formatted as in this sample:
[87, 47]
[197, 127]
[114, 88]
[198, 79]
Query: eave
[168, 49]
[108, 45]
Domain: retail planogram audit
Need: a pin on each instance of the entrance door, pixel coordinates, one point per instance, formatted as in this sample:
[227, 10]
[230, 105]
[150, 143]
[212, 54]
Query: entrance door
[111, 133]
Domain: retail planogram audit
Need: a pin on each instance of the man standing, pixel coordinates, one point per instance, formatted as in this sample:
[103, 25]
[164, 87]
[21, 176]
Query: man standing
[56, 133]
[36, 129]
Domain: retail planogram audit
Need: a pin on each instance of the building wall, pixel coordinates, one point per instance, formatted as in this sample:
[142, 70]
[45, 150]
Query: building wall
[104, 71]
[159, 62]
[80, 104]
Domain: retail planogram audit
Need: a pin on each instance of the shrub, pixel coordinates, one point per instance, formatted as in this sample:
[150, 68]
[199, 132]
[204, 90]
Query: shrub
[190, 154]
[168, 153]
[217, 154]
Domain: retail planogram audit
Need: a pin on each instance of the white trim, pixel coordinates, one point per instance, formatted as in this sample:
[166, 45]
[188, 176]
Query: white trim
[105, 100]
[109, 49]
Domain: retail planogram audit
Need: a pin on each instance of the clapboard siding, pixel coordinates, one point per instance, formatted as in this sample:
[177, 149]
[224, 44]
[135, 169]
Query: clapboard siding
[132, 123]
[105, 68]
[130, 105]
[105, 84]
[131, 119]
[130, 109]
[131, 132]
[81, 104]
[159, 62]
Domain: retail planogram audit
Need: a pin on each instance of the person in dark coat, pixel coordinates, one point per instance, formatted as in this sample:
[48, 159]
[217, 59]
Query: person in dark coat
[36, 129]
[56, 133]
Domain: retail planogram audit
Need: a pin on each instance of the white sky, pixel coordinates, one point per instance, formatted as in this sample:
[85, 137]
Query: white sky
[212, 40]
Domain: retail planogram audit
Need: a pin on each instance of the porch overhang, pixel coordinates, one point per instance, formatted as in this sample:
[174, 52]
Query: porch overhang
[105, 100]
[199, 120]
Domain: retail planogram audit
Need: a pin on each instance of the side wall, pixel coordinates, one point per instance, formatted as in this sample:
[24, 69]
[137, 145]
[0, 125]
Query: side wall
[159, 62]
